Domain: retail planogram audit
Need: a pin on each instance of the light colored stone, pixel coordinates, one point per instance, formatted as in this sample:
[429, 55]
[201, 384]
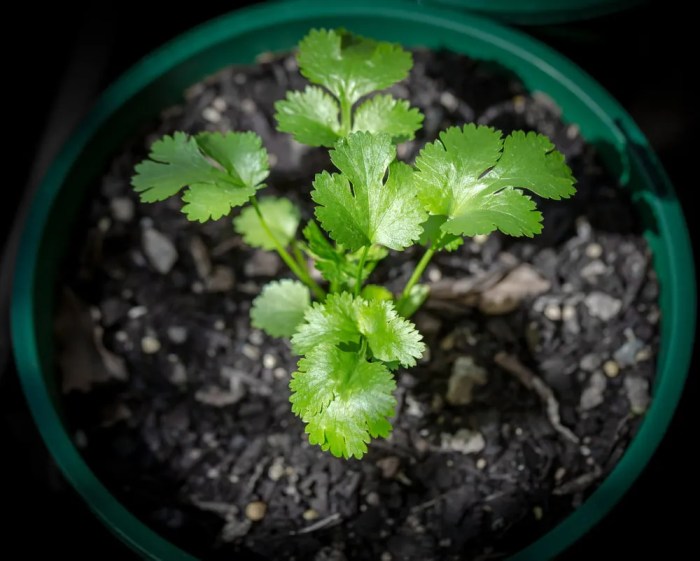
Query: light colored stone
[218, 397]
[611, 368]
[465, 441]
[256, 511]
[466, 374]
[150, 345]
[122, 209]
[159, 250]
[602, 306]
[637, 390]
[592, 395]
[177, 334]
[505, 296]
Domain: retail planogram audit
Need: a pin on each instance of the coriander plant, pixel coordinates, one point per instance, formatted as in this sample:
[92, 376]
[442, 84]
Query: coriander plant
[353, 335]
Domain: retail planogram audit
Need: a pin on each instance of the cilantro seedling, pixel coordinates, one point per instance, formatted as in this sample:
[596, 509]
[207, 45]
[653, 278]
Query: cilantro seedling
[471, 180]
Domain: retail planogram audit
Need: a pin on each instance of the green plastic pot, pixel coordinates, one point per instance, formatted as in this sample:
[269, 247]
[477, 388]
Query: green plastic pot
[158, 80]
[539, 12]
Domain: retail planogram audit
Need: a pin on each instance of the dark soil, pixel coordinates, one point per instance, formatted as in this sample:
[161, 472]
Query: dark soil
[541, 354]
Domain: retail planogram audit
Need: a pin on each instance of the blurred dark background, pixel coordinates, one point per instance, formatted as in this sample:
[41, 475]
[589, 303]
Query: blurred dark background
[64, 56]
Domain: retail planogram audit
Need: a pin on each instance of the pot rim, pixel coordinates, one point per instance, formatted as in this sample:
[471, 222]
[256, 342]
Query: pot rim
[671, 245]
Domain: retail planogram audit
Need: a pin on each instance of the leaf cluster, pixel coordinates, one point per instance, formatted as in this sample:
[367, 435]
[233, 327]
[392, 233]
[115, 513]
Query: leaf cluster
[471, 180]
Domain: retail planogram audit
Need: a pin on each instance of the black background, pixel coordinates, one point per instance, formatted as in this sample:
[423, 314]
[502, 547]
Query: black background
[644, 57]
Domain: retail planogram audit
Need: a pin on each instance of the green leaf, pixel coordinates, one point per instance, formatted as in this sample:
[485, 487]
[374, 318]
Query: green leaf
[344, 400]
[350, 66]
[530, 161]
[383, 113]
[356, 207]
[175, 161]
[432, 233]
[281, 216]
[343, 318]
[280, 307]
[332, 321]
[509, 211]
[470, 176]
[241, 154]
[207, 201]
[390, 337]
[222, 171]
[310, 116]
[376, 292]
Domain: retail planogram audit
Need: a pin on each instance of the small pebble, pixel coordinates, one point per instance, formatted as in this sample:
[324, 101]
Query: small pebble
[253, 353]
[122, 209]
[212, 115]
[159, 250]
[386, 556]
[594, 250]
[137, 312]
[449, 101]
[276, 471]
[269, 361]
[248, 106]
[372, 498]
[481, 463]
[150, 345]
[389, 466]
[279, 373]
[552, 312]
[310, 515]
[611, 368]
[602, 306]
[219, 103]
[537, 512]
[559, 474]
[637, 390]
[255, 511]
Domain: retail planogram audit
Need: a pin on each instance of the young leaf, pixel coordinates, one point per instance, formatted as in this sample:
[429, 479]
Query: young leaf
[280, 307]
[383, 113]
[471, 177]
[350, 66]
[239, 167]
[208, 201]
[343, 319]
[310, 116]
[356, 207]
[175, 161]
[241, 154]
[332, 321]
[281, 216]
[344, 399]
[390, 337]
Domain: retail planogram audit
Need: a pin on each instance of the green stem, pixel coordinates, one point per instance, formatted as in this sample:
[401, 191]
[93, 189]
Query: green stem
[288, 259]
[420, 268]
[360, 270]
[345, 116]
[298, 254]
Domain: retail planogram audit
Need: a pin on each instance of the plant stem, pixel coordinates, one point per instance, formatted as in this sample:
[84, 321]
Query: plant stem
[420, 268]
[345, 116]
[297, 254]
[302, 274]
[360, 270]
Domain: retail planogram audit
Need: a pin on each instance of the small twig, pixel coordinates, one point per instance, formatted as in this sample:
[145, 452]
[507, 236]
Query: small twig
[527, 378]
[326, 522]
[578, 484]
[428, 504]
